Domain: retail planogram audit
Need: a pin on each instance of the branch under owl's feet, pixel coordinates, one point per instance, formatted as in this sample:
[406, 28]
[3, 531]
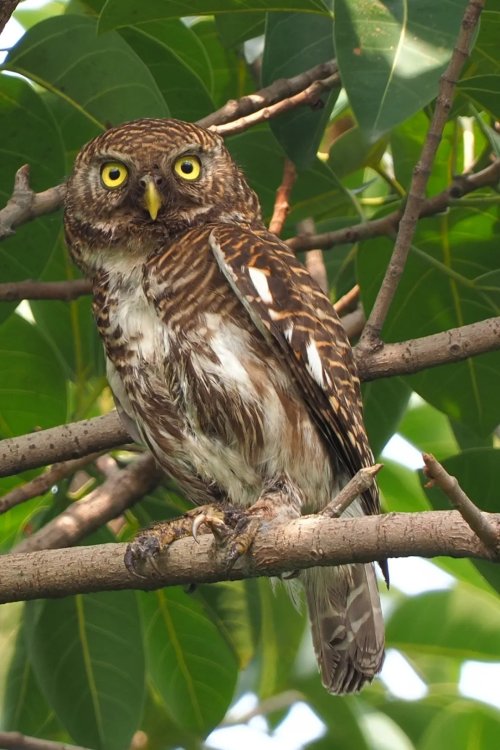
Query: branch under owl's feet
[305, 542]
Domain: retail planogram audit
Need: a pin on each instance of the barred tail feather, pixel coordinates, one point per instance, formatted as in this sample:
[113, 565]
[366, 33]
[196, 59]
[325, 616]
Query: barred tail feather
[347, 625]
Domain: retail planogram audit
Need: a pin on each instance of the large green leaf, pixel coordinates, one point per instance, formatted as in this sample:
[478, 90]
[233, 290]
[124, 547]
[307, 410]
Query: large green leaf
[236, 28]
[87, 654]
[190, 662]
[25, 708]
[484, 58]
[463, 726]
[485, 90]
[23, 114]
[277, 654]
[384, 404]
[462, 623]
[125, 12]
[98, 80]
[296, 42]
[428, 430]
[162, 45]
[449, 281]
[316, 192]
[33, 386]
[391, 55]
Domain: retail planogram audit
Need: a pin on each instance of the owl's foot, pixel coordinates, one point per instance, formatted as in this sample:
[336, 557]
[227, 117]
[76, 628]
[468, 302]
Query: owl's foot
[280, 503]
[151, 542]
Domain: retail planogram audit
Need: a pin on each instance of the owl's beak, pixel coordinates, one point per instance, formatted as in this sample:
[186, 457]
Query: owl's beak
[152, 199]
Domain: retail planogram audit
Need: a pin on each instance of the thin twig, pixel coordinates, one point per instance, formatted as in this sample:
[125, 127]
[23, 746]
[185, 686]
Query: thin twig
[41, 484]
[282, 201]
[354, 322]
[25, 204]
[347, 300]
[387, 225]
[283, 88]
[477, 520]
[360, 482]
[124, 488]
[314, 260]
[311, 96]
[18, 741]
[63, 290]
[370, 337]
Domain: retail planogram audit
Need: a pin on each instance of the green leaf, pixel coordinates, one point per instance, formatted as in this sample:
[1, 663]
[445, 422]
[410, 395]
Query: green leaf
[191, 665]
[428, 430]
[98, 80]
[463, 726]
[391, 56]
[484, 57]
[277, 654]
[384, 403]
[484, 90]
[124, 12]
[401, 489]
[351, 151]
[477, 472]
[173, 54]
[25, 708]
[228, 606]
[445, 286]
[295, 42]
[236, 28]
[462, 623]
[87, 654]
[33, 387]
[316, 191]
[23, 113]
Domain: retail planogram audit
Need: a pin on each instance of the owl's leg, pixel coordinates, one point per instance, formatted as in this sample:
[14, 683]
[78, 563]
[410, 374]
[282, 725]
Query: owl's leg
[220, 520]
[279, 502]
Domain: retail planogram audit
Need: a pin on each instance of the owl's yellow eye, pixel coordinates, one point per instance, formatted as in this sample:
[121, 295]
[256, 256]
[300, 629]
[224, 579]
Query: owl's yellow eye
[188, 167]
[113, 174]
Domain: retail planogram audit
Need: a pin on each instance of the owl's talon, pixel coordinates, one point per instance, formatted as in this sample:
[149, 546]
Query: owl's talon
[144, 548]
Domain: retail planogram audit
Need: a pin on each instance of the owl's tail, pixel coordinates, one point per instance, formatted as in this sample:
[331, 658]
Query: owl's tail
[346, 623]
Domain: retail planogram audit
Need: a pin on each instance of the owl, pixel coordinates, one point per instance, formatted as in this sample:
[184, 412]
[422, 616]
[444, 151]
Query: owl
[224, 357]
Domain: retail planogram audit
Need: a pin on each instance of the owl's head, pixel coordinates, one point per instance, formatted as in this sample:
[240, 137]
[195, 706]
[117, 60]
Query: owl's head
[137, 185]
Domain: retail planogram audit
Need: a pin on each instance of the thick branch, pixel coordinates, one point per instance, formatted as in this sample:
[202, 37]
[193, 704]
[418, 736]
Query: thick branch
[61, 443]
[371, 335]
[443, 348]
[102, 433]
[306, 542]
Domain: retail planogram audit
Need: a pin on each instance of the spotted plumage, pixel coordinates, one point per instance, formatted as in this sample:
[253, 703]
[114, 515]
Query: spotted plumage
[223, 355]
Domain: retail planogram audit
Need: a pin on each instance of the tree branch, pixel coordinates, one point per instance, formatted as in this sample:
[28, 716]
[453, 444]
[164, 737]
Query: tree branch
[388, 225]
[370, 338]
[102, 433]
[283, 88]
[121, 490]
[282, 201]
[305, 542]
[64, 290]
[443, 348]
[471, 514]
[26, 204]
[7, 8]
[18, 741]
[61, 443]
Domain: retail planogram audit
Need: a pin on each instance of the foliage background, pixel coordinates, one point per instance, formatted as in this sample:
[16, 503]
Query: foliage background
[95, 669]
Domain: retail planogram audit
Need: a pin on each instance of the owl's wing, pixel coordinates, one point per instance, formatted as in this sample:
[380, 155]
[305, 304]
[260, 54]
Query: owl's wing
[288, 308]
